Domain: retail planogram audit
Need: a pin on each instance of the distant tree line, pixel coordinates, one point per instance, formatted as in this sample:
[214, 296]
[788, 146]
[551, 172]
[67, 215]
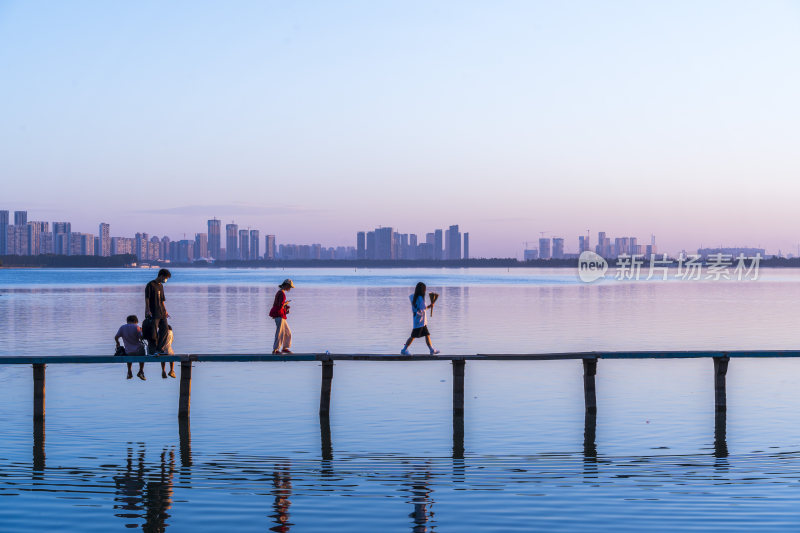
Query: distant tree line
[66, 261]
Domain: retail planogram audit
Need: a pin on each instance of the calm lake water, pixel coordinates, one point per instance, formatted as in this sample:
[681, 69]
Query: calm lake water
[255, 457]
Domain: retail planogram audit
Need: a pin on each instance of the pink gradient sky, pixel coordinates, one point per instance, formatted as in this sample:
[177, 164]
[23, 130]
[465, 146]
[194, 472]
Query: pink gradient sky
[314, 120]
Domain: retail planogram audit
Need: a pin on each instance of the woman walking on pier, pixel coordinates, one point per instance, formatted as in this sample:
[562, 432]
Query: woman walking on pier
[420, 320]
[280, 307]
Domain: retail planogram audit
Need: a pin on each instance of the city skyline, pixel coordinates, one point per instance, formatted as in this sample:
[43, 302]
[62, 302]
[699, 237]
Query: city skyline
[313, 119]
[20, 236]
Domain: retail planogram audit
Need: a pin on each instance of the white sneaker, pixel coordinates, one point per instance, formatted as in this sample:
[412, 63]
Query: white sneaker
[434, 351]
[405, 351]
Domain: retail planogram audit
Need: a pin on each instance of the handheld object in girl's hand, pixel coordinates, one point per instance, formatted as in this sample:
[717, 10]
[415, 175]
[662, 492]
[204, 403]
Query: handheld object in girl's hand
[433, 296]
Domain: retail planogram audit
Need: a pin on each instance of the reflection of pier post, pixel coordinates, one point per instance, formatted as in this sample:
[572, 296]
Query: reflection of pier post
[720, 371]
[38, 417]
[590, 435]
[458, 408]
[186, 389]
[720, 434]
[458, 437]
[589, 393]
[38, 444]
[325, 437]
[185, 439]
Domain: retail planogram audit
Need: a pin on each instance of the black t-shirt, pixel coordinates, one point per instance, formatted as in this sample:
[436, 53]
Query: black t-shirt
[154, 294]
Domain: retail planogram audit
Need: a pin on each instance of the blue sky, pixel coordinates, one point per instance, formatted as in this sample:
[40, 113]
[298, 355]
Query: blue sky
[313, 120]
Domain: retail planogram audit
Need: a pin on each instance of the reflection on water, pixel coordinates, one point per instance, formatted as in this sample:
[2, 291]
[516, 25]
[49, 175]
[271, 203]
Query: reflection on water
[282, 488]
[144, 490]
[391, 457]
[150, 489]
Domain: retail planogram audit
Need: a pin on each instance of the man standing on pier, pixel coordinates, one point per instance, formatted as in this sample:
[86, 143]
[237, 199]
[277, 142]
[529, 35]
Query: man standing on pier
[155, 308]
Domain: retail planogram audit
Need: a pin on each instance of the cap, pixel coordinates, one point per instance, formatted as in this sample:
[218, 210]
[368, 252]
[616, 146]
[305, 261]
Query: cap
[287, 282]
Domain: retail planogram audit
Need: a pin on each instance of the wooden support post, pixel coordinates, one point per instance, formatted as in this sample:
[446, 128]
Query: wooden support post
[458, 387]
[720, 370]
[589, 393]
[325, 391]
[38, 390]
[185, 399]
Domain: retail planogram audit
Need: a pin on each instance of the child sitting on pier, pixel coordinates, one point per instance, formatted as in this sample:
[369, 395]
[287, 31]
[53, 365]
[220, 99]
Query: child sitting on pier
[168, 351]
[131, 335]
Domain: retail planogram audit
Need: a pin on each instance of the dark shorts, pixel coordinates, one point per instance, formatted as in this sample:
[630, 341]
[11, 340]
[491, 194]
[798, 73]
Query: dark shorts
[416, 333]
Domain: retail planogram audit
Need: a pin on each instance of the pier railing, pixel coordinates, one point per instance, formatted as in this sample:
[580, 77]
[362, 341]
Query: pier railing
[590, 361]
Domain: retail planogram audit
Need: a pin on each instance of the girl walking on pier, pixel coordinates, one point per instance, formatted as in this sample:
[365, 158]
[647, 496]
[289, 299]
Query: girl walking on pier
[420, 320]
[283, 335]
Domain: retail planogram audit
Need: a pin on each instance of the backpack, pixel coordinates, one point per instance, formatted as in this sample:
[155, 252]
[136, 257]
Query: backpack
[149, 332]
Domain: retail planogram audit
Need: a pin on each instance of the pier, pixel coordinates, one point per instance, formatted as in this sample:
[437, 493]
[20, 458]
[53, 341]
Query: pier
[721, 360]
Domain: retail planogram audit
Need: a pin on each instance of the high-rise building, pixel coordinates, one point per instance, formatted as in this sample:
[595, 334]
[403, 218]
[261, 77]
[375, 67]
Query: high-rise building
[20, 218]
[142, 247]
[154, 249]
[255, 235]
[412, 246]
[21, 237]
[371, 250]
[634, 248]
[81, 244]
[200, 246]
[466, 245]
[214, 242]
[583, 243]
[104, 236]
[437, 245]
[34, 237]
[46, 246]
[165, 249]
[231, 242]
[544, 248]
[453, 243]
[384, 248]
[361, 245]
[122, 245]
[558, 248]
[3, 232]
[244, 244]
[61, 237]
[400, 245]
[269, 247]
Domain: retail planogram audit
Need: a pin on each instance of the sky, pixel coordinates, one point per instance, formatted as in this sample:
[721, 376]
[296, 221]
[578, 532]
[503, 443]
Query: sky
[315, 120]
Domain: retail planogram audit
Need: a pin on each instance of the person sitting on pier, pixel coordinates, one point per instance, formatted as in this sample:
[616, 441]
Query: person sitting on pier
[168, 351]
[280, 307]
[420, 320]
[154, 308]
[131, 335]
